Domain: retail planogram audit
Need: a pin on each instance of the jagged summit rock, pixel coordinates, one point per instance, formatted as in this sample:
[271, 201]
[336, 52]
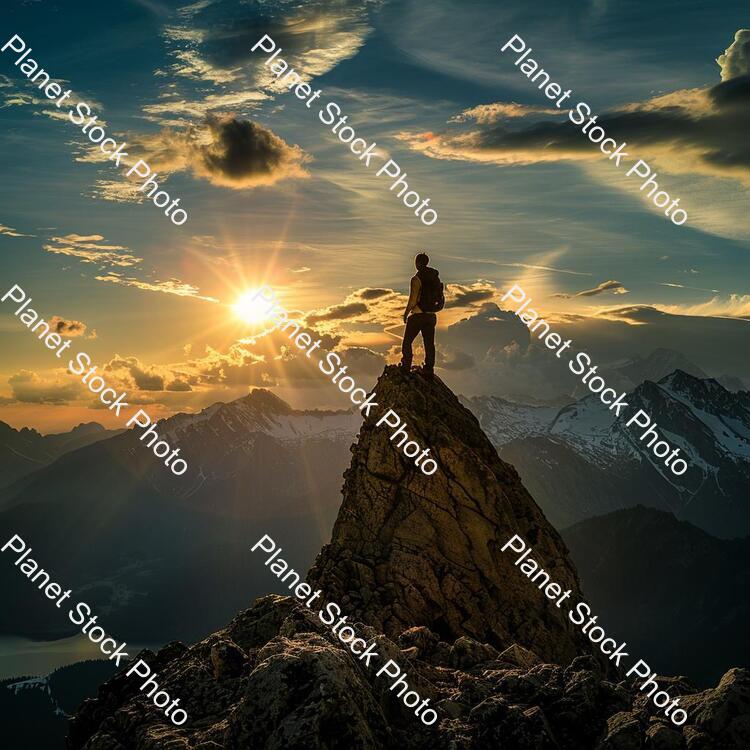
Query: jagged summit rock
[409, 549]
[275, 679]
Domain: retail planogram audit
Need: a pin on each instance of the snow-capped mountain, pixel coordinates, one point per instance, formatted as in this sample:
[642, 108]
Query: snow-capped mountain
[503, 420]
[584, 462]
[235, 426]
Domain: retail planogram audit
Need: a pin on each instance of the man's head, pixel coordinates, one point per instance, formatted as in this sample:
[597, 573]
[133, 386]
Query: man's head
[421, 261]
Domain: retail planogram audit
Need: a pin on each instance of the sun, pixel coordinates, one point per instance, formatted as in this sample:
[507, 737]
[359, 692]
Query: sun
[251, 308]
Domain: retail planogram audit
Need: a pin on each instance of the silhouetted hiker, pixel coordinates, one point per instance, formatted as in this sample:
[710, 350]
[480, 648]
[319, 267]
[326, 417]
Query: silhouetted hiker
[425, 299]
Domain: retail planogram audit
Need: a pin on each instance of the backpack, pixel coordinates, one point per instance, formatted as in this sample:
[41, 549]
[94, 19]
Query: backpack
[431, 297]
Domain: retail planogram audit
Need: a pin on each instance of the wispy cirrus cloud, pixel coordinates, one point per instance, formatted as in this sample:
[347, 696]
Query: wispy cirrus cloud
[684, 286]
[169, 286]
[110, 258]
[91, 249]
[487, 114]
[616, 287]
[212, 41]
[11, 232]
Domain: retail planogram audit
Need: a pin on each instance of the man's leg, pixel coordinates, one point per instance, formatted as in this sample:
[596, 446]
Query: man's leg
[428, 336]
[410, 333]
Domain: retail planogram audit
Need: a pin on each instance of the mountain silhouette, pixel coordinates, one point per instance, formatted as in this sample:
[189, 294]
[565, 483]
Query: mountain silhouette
[26, 450]
[692, 594]
[276, 677]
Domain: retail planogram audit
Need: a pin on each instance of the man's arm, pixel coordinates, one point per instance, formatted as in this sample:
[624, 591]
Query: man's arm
[416, 286]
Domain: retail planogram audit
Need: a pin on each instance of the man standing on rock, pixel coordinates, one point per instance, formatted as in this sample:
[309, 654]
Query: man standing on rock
[425, 299]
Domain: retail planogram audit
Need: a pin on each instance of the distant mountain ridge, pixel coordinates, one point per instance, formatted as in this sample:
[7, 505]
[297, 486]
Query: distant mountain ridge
[26, 450]
[658, 364]
[584, 462]
[145, 545]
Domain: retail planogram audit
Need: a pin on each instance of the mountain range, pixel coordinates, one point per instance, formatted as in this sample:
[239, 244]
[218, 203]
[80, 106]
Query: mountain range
[579, 461]
[167, 557]
[144, 546]
[24, 451]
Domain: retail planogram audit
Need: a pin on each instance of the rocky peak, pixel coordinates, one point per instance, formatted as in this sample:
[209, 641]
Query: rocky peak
[266, 401]
[414, 550]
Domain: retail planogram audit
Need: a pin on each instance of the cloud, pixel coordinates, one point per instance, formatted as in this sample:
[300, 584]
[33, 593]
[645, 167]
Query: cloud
[16, 95]
[10, 232]
[179, 385]
[143, 378]
[301, 269]
[684, 286]
[198, 109]
[191, 64]
[453, 359]
[363, 361]
[467, 296]
[731, 306]
[67, 328]
[369, 294]
[244, 154]
[89, 249]
[613, 286]
[337, 312]
[735, 61]
[30, 388]
[223, 149]
[170, 286]
[691, 131]
[212, 42]
[120, 191]
[487, 114]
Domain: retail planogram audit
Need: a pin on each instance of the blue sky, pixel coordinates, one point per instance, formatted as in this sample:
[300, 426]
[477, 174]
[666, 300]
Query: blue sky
[273, 197]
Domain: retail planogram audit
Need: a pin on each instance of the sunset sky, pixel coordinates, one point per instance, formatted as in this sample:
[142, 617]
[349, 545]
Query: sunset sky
[274, 198]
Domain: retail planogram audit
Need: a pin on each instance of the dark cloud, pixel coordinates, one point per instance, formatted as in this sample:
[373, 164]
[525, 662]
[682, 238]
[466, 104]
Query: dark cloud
[245, 154]
[464, 296]
[606, 286]
[145, 379]
[30, 388]
[179, 385]
[373, 293]
[224, 149]
[67, 328]
[337, 312]
[487, 328]
[454, 359]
